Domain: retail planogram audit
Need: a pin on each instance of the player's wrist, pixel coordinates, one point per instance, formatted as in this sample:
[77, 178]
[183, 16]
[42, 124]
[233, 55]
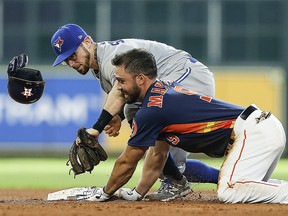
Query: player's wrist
[121, 115]
[104, 118]
[139, 195]
[106, 193]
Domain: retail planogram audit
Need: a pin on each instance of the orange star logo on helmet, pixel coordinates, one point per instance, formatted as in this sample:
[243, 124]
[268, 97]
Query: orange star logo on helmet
[58, 43]
[27, 92]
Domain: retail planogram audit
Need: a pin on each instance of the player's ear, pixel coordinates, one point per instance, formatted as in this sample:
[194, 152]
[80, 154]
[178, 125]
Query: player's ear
[88, 40]
[140, 79]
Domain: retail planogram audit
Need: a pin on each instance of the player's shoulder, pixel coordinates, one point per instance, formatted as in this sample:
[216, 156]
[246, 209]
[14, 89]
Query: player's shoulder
[153, 103]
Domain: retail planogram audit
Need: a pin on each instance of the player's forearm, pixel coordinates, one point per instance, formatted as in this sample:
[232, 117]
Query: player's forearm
[148, 178]
[115, 101]
[152, 169]
[124, 168]
[120, 175]
[113, 105]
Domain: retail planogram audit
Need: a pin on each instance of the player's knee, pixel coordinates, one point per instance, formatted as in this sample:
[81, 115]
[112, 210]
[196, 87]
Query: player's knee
[225, 194]
[221, 195]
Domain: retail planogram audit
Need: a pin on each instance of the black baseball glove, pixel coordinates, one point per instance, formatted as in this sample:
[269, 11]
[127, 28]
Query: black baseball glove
[86, 153]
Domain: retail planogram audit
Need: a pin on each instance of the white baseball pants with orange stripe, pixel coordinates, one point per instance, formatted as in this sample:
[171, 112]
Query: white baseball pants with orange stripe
[245, 174]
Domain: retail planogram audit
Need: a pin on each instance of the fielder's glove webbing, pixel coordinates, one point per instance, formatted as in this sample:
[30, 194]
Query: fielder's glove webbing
[85, 153]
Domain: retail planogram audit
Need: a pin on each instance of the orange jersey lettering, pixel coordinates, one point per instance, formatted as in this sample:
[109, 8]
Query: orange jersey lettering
[158, 90]
[184, 90]
[206, 98]
[155, 101]
[159, 85]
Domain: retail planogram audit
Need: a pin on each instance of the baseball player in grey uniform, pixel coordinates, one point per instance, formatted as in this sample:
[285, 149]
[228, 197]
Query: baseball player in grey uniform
[78, 50]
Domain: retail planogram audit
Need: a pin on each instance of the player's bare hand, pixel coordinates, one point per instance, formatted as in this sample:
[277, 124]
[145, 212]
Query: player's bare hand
[112, 129]
[93, 132]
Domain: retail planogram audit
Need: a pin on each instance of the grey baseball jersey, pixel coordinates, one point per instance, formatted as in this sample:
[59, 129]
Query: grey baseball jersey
[169, 61]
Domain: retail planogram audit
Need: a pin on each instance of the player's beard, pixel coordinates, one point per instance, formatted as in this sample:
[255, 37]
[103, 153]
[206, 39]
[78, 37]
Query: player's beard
[85, 65]
[132, 95]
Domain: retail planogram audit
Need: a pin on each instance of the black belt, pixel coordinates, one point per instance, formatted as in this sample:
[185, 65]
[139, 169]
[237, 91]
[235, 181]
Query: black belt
[245, 114]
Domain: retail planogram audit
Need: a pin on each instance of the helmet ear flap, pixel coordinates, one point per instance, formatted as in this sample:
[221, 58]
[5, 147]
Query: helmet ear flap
[26, 86]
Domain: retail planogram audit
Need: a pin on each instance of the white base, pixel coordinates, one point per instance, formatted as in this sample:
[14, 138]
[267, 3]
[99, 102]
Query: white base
[77, 193]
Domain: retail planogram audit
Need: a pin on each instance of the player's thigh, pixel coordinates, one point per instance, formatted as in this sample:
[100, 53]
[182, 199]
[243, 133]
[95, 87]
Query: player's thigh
[180, 157]
[256, 147]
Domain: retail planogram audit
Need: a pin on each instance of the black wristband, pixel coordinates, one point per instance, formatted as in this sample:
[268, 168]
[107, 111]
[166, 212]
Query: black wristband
[104, 118]
[121, 115]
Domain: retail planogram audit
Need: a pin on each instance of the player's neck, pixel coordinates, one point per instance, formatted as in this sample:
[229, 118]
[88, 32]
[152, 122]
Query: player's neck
[94, 61]
[145, 88]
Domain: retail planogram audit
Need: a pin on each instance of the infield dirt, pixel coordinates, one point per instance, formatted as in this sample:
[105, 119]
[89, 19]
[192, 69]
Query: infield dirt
[33, 202]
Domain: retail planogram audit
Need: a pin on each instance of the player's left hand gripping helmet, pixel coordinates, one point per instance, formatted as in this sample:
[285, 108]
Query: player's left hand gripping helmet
[25, 85]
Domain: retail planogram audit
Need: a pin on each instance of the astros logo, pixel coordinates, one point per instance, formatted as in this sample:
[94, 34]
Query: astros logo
[58, 43]
[27, 92]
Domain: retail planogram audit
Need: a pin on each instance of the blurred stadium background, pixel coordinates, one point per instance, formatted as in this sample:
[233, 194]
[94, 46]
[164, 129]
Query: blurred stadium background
[244, 42]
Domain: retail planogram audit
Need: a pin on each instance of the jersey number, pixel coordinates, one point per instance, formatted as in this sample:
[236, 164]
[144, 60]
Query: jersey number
[116, 42]
[173, 139]
[186, 91]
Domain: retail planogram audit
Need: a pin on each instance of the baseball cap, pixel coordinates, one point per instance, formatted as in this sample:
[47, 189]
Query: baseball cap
[66, 41]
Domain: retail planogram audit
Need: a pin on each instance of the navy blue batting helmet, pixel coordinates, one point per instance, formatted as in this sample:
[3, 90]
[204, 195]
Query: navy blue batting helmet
[26, 85]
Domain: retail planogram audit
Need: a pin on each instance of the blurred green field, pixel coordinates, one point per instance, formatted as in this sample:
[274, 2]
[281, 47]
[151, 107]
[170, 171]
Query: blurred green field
[52, 173]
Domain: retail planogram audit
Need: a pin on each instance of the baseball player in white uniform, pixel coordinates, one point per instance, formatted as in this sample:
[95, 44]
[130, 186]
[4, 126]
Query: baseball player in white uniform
[75, 48]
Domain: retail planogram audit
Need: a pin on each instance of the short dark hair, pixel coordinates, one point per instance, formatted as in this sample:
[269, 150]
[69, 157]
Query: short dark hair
[137, 61]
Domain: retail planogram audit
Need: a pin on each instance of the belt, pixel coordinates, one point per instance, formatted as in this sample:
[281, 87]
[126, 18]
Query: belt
[245, 114]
